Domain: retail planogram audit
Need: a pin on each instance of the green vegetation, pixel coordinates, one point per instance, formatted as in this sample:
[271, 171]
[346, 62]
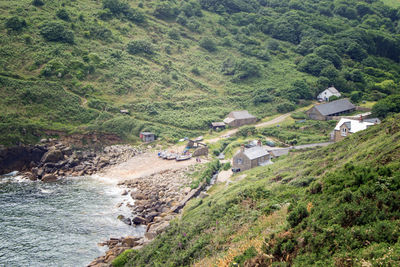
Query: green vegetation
[301, 132]
[178, 65]
[336, 205]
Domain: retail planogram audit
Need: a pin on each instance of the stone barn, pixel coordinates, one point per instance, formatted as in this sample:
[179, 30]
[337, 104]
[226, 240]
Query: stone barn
[323, 112]
[239, 118]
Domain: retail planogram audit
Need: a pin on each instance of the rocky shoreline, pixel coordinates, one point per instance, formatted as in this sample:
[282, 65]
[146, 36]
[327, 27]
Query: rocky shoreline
[52, 159]
[158, 198]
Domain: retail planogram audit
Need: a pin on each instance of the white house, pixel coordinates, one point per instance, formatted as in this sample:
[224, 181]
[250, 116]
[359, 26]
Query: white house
[325, 95]
[346, 127]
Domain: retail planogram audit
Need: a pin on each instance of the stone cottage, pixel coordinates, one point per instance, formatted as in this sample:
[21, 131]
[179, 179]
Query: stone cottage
[249, 158]
[346, 127]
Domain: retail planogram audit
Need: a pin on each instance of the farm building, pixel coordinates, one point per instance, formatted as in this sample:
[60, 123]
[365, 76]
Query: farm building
[323, 112]
[147, 137]
[249, 158]
[346, 127]
[327, 93]
[239, 118]
[217, 126]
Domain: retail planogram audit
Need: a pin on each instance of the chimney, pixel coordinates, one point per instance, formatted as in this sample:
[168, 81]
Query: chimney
[361, 118]
[259, 143]
[242, 148]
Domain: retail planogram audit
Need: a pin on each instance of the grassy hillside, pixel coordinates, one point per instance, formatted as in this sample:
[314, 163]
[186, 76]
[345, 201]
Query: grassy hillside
[335, 206]
[178, 65]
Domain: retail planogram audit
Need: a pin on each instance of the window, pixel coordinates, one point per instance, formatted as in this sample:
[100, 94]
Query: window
[239, 161]
[344, 131]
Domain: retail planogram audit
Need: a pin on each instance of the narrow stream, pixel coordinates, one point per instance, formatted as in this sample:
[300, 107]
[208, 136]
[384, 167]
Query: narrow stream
[59, 224]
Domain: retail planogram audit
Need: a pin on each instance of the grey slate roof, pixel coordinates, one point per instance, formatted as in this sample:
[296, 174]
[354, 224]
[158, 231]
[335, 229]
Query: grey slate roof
[242, 114]
[255, 152]
[333, 107]
[333, 90]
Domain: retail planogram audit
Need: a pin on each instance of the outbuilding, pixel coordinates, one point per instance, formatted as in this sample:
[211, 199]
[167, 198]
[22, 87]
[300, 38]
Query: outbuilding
[239, 118]
[147, 137]
[323, 112]
[218, 126]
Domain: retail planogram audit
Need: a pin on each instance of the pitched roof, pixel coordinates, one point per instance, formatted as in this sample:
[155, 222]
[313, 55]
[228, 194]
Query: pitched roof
[333, 90]
[333, 107]
[255, 152]
[242, 114]
[353, 125]
[217, 124]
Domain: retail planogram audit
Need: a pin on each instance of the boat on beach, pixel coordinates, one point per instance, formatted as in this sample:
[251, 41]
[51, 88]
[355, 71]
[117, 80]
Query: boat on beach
[183, 157]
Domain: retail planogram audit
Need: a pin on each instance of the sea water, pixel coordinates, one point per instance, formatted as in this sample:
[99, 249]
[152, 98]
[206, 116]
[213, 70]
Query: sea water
[60, 223]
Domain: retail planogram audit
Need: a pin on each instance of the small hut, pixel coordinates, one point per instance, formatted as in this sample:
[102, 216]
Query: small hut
[147, 137]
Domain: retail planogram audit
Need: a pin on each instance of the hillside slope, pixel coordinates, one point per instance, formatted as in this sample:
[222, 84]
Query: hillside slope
[178, 65]
[335, 206]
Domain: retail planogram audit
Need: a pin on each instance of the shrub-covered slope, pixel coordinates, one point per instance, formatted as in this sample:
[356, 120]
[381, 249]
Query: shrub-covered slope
[178, 65]
[335, 206]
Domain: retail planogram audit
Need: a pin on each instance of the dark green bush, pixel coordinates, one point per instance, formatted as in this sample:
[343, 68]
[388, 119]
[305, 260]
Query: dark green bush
[208, 44]
[37, 3]
[15, 23]
[297, 215]
[56, 32]
[63, 14]
[140, 47]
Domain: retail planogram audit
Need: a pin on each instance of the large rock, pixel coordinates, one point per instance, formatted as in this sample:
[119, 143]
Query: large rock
[53, 155]
[49, 178]
[139, 220]
[130, 241]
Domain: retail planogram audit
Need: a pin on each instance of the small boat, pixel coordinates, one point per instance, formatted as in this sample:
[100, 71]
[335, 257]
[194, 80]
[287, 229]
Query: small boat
[183, 157]
[171, 156]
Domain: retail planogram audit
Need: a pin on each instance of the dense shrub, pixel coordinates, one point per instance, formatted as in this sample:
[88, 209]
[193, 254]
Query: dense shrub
[285, 107]
[56, 32]
[246, 131]
[165, 10]
[208, 44]
[15, 23]
[63, 14]
[387, 106]
[140, 47]
[313, 64]
[37, 3]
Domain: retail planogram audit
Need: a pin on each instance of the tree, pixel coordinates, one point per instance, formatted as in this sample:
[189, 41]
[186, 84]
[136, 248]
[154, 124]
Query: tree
[329, 53]
[387, 106]
[165, 10]
[313, 64]
[15, 23]
[356, 52]
[208, 44]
